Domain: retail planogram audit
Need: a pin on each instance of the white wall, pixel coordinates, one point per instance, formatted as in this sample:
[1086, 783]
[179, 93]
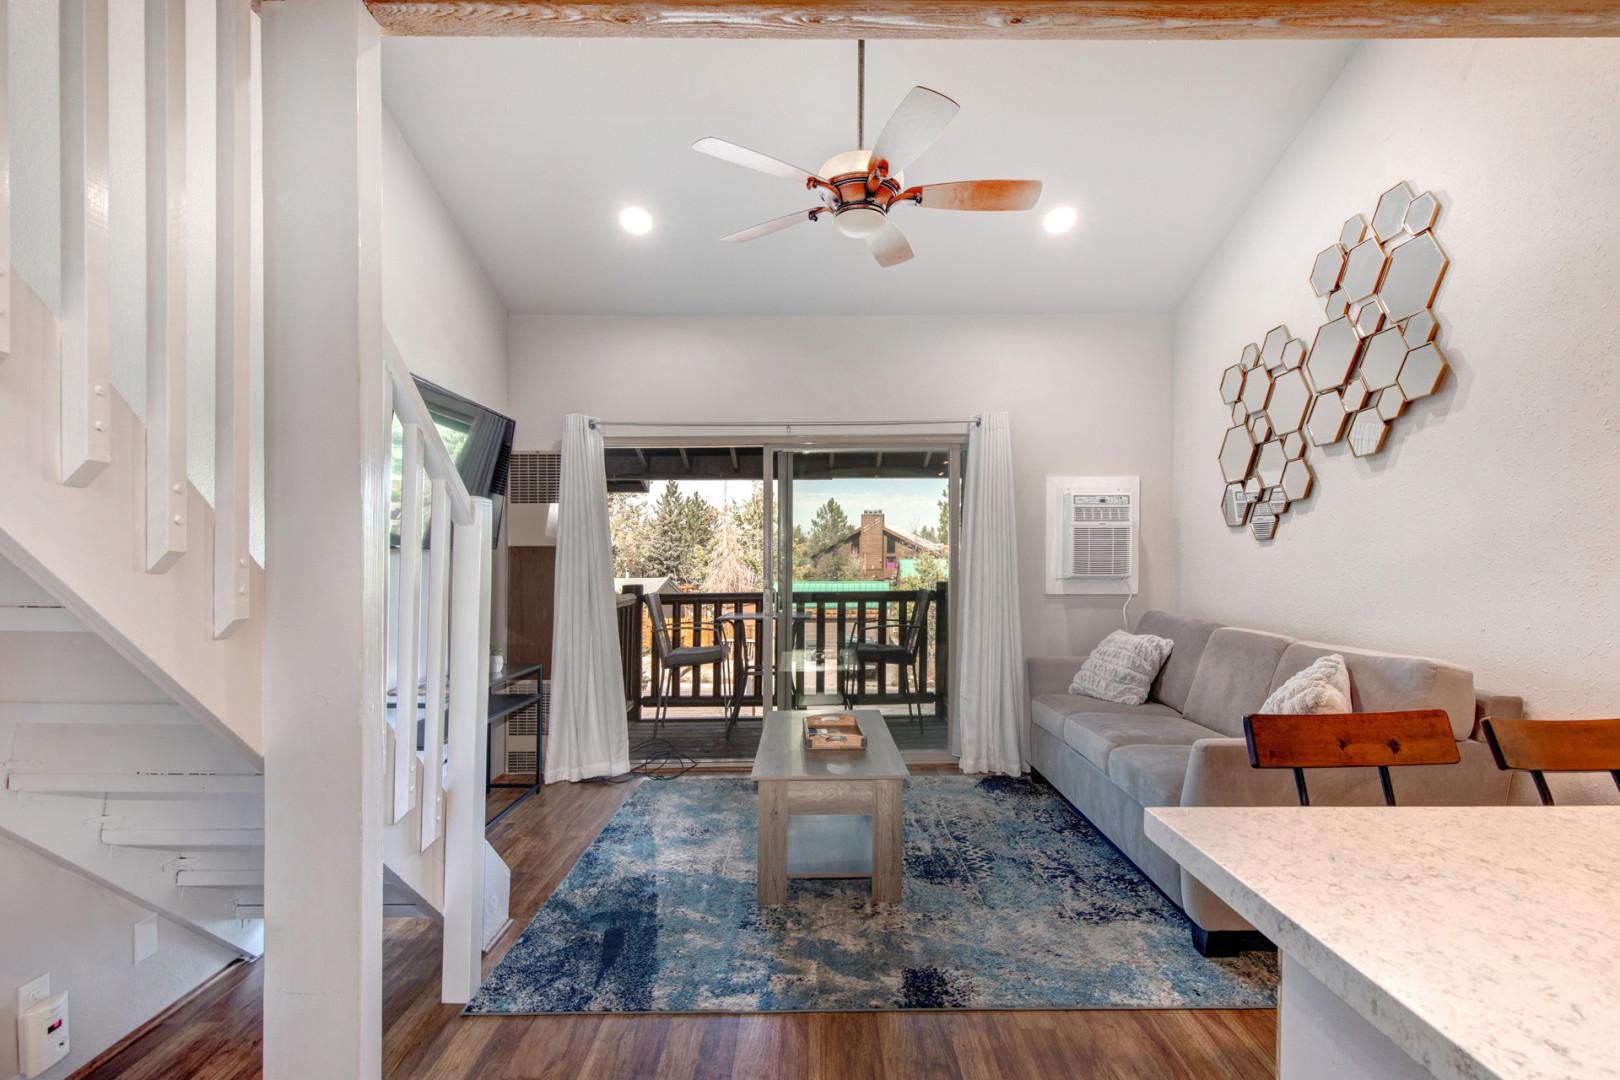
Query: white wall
[1087, 395]
[438, 303]
[52, 920]
[1484, 533]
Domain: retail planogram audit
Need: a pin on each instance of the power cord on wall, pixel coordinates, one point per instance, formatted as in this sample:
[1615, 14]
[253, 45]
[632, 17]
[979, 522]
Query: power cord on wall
[1124, 612]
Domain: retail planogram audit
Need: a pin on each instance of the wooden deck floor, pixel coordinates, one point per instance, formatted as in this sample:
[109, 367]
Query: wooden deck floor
[705, 740]
[216, 1034]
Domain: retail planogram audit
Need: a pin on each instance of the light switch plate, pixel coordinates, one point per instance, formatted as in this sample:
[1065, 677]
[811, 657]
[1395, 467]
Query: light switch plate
[33, 992]
[146, 937]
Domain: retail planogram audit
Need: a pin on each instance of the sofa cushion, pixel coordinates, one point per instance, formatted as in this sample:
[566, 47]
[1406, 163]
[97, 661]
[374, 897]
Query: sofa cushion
[1096, 735]
[1050, 710]
[1388, 682]
[1176, 676]
[1234, 677]
[1152, 775]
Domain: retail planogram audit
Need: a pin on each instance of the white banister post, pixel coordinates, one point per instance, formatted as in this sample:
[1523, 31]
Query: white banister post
[165, 283]
[432, 799]
[232, 317]
[5, 188]
[86, 434]
[327, 486]
[469, 733]
[407, 617]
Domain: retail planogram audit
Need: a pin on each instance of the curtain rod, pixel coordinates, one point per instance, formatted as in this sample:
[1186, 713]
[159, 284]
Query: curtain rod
[595, 423]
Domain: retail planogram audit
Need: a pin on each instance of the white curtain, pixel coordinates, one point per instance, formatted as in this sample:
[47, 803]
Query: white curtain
[990, 649]
[588, 733]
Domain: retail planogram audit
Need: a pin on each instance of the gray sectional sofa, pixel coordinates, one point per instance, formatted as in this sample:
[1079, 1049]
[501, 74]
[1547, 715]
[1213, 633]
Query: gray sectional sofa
[1184, 746]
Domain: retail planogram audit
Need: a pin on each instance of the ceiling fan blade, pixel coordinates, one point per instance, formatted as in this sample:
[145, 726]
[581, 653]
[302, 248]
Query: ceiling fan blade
[980, 195]
[919, 120]
[750, 159]
[765, 228]
[889, 245]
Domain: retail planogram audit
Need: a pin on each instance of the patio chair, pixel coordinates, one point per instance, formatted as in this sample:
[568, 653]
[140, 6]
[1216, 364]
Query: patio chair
[672, 659]
[905, 652]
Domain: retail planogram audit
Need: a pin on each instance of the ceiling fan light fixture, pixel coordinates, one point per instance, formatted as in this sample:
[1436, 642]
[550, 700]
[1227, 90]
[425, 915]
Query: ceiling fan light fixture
[859, 221]
[1059, 220]
[635, 221]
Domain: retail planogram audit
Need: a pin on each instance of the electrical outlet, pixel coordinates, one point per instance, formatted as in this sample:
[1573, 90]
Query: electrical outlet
[146, 937]
[33, 992]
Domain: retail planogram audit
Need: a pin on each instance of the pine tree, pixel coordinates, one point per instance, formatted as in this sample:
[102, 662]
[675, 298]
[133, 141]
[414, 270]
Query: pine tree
[829, 526]
[628, 526]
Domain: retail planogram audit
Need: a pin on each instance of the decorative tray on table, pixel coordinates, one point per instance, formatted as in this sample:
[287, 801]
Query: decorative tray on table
[833, 731]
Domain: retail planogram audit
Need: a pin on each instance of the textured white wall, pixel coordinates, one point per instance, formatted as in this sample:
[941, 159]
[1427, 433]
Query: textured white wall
[1087, 395]
[438, 303]
[52, 920]
[1484, 533]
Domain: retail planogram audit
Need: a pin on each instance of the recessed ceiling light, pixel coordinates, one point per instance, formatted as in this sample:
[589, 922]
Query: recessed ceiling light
[636, 221]
[1059, 219]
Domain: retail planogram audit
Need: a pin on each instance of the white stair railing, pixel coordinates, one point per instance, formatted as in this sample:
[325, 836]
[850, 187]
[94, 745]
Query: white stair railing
[444, 780]
[100, 238]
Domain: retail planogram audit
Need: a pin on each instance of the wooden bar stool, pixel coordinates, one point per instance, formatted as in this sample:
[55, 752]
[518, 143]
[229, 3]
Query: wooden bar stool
[1544, 746]
[1349, 740]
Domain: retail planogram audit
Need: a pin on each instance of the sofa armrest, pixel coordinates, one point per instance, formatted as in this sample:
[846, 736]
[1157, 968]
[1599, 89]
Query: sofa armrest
[1219, 774]
[1052, 674]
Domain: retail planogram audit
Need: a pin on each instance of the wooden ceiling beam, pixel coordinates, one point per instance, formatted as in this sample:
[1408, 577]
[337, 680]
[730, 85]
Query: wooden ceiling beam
[1029, 19]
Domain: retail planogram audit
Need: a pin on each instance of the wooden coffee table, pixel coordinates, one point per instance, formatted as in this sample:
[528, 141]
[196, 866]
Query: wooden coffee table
[833, 794]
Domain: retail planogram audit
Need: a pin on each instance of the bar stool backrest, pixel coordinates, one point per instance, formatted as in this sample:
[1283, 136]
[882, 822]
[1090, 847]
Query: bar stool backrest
[1544, 746]
[1350, 740]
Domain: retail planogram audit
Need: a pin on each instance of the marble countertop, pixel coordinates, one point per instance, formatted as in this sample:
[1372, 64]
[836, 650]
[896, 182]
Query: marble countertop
[1484, 941]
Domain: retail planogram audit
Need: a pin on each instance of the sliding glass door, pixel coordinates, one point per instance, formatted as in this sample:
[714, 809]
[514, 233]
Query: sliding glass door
[860, 545]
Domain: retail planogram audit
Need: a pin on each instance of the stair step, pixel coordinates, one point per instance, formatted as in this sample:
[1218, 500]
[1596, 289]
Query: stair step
[400, 910]
[38, 617]
[157, 784]
[220, 879]
[183, 839]
[64, 712]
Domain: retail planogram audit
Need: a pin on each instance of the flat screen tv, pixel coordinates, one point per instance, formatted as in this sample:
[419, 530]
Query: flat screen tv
[479, 441]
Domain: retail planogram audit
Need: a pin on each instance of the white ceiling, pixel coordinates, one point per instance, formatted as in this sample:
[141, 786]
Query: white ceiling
[536, 144]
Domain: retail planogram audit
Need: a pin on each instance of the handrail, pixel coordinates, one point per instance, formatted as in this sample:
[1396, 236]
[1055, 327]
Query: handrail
[410, 407]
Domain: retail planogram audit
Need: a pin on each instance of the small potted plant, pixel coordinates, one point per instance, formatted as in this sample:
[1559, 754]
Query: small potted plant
[497, 661]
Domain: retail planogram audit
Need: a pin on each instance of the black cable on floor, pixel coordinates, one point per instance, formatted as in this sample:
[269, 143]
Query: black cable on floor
[656, 756]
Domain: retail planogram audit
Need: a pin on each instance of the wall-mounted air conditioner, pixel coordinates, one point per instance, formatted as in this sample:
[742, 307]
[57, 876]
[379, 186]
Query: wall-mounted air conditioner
[1093, 526]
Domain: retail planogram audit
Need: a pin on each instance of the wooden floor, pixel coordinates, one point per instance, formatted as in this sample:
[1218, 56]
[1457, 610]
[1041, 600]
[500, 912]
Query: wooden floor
[216, 1035]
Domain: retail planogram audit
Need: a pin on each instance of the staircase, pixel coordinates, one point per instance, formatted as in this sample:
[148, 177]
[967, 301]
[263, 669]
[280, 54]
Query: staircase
[131, 747]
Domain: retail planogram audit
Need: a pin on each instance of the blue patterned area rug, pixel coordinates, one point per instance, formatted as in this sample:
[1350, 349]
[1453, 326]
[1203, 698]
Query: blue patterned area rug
[1011, 901]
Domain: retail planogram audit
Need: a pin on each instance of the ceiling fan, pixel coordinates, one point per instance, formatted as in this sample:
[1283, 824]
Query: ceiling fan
[859, 187]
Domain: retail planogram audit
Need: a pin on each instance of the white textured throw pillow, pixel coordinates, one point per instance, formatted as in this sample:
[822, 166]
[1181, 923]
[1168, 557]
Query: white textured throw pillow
[1321, 687]
[1122, 668]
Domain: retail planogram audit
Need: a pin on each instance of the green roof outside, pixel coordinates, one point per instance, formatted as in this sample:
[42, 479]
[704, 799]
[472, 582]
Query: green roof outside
[840, 586]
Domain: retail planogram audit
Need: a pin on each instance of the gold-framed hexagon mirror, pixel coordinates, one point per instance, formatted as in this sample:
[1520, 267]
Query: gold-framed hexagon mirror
[1333, 355]
[1325, 272]
[1256, 389]
[1367, 431]
[1381, 359]
[1235, 505]
[1416, 269]
[1420, 376]
[1237, 454]
[1389, 217]
[1364, 269]
[1271, 464]
[1297, 480]
[1421, 214]
[1290, 397]
[1232, 384]
[1325, 425]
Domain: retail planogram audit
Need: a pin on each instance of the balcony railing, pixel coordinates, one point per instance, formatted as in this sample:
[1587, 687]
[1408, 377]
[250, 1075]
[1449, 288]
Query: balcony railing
[823, 623]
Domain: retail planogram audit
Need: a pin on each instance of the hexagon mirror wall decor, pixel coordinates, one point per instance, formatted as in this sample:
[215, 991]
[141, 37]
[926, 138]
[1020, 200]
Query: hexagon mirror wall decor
[1374, 356]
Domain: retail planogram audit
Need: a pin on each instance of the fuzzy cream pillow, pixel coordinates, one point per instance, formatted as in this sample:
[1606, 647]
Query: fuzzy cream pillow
[1122, 668]
[1320, 687]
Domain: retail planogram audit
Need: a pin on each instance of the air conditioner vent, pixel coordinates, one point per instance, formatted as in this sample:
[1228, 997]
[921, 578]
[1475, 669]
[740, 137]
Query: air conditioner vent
[1100, 539]
[534, 477]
